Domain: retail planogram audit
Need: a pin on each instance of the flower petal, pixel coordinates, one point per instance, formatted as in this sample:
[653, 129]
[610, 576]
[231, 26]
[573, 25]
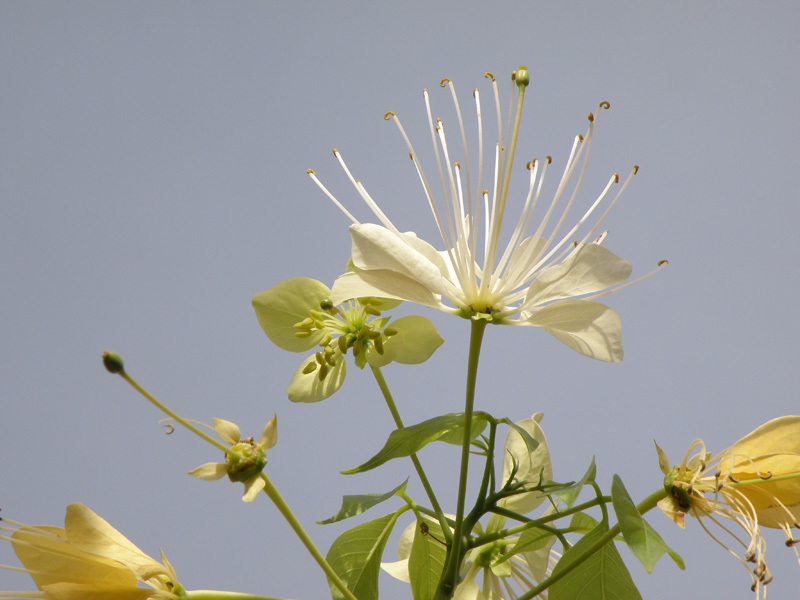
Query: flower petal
[307, 387]
[209, 471]
[532, 467]
[589, 328]
[269, 437]
[88, 532]
[96, 591]
[252, 487]
[226, 431]
[50, 559]
[283, 305]
[384, 284]
[377, 248]
[415, 342]
[588, 269]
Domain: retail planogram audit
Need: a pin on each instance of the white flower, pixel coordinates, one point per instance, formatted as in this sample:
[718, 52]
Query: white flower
[246, 459]
[543, 279]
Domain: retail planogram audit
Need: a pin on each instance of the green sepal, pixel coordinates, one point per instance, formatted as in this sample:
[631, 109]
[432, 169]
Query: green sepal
[405, 442]
[307, 387]
[415, 342]
[355, 505]
[287, 303]
[355, 556]
[426, 562]
[642, 539]
[601, 576]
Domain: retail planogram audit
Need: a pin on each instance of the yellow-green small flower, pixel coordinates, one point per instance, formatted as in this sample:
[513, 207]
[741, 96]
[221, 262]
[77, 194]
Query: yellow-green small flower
[297, 315]
[88, 559]
[245, 460]
[754, 483]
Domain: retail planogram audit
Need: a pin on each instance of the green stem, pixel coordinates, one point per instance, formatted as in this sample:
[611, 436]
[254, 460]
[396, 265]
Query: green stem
[163, 408]
[398, 421]
[644, 506]
[449, 578]
[287, 513]
[215, 595]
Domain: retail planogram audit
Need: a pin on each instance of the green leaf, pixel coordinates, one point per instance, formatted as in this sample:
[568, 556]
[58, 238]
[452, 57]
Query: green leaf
[570, 492]
[405, 442]
[602, 576]
[582, 523]
[308, 387]
[642, 539]
[415, 342]
[426, 562]
[355, 505]
[355, 556]
[529, 440]
[287, 303]
[529, 540]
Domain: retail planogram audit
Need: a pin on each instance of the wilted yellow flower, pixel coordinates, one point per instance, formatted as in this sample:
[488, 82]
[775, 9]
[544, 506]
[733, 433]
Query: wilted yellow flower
[246, 459]
[87, 560]
[755, 483]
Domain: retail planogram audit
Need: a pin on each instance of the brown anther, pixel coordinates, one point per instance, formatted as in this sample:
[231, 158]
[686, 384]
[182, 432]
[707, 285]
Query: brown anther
[488, 75]
[616, 177]
[335, 152]
[580, 138]
[635, 169]
[457, 165]
[310, 171]
[591, 118]
[767, 476]
[443, 81]
[791, 542]
[549, 159]
[513, 75]
[388, 115]
[169, 428]
[605, 105]
[731, 478]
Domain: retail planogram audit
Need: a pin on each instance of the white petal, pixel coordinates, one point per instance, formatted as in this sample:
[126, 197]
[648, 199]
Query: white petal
[377, 248]
[531, 466]
[382, 284]
[589, 328]
[226, 431]
[589, 269]
[209, 471]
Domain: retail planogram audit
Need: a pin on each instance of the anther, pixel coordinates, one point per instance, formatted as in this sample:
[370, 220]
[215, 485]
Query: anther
[342, 342]
[605, 105]
[663, 262]
[549, 159]
[488, 75]
[388, 115]
[591, 118]
[326, 305]
[443, 82]
[580, 138]
[304, 324]
[302, 334]
[767, 476]
[388, 332]
[378, 343]
[335, 152]
[310, 368]
[616, 177]
[320, 359]
[791, 542]
[635, 169]
[323, 371]
[310, 171]
[325, 341]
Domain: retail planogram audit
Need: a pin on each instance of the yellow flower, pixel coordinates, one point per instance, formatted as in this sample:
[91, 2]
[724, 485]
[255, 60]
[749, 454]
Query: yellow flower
[754, 483]
[88, 560]
[246, 458]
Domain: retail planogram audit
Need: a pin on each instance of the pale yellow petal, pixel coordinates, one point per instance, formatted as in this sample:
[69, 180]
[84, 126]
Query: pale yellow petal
[209, 471]
[88, 532]
[226, 431]
[73, 591]
[252, 487]
[269, 437]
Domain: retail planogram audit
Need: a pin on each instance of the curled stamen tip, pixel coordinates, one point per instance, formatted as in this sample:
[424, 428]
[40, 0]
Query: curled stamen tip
[310, 171]
[489, 75]
[604, 105]
[529, 164]
[443, 82]
[388, 115]
[661, 263]
[635, 169]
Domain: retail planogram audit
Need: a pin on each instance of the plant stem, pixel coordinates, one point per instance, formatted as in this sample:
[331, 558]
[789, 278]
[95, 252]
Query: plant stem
[398, 421]
[287, 513]
[449, 578]
[644, 506]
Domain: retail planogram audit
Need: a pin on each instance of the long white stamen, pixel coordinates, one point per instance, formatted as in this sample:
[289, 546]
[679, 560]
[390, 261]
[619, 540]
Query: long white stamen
[364, 195]
[331, 196]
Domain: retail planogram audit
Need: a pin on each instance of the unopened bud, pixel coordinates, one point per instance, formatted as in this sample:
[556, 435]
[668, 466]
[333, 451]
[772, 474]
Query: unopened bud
[112, 362]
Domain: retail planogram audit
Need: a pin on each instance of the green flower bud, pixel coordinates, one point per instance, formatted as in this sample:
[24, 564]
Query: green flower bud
[245, 460]
[112, 362]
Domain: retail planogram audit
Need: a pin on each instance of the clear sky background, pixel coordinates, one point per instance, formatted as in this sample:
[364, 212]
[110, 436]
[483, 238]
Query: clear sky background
[152, 179]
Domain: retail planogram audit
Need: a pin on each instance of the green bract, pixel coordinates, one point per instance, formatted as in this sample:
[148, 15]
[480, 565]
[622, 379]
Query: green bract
[297, 315]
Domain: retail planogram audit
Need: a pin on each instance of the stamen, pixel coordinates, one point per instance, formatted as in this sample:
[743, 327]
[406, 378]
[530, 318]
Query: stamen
[331, 196]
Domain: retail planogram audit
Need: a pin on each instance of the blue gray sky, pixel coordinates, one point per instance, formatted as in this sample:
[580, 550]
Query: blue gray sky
[152, 179]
